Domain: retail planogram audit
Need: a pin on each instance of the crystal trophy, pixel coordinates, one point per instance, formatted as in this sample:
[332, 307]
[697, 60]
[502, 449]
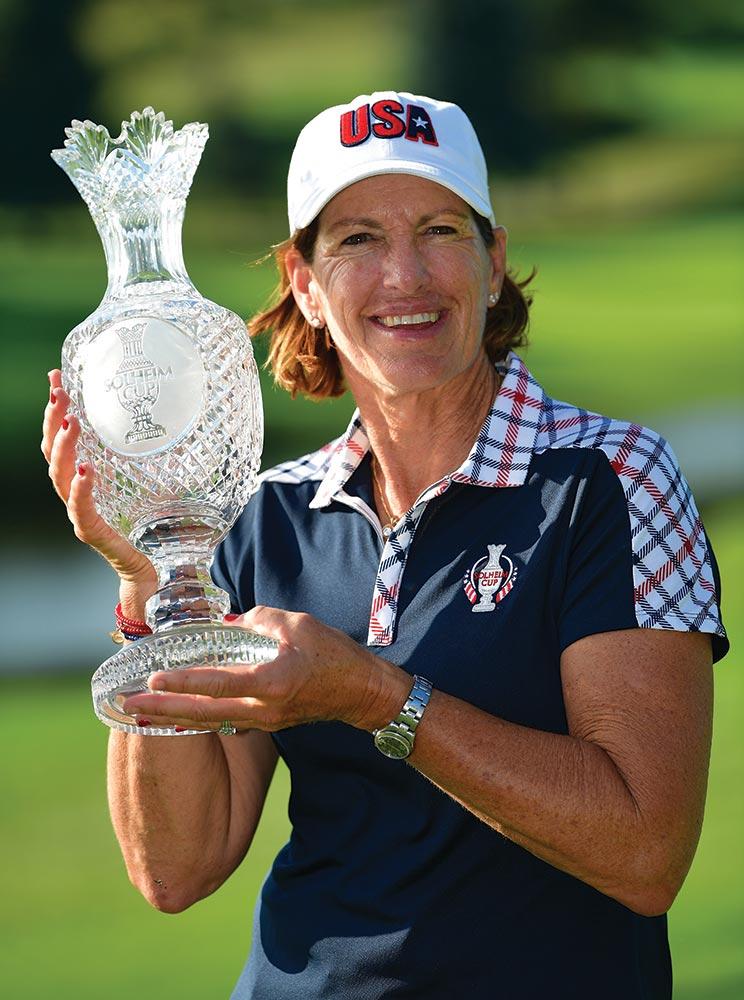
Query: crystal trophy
[166, 389]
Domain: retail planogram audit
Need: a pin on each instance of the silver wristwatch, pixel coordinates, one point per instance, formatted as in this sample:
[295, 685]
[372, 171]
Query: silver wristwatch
[396, 738]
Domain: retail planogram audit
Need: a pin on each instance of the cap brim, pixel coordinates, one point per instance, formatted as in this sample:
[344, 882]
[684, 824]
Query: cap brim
[447, 178]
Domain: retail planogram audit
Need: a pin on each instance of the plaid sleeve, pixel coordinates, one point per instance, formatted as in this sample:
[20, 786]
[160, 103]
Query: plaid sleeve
[639, 555]
[675, 577]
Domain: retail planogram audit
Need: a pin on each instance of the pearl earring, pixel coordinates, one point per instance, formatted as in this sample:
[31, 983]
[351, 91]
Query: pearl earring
[315, 321]
[493, 298]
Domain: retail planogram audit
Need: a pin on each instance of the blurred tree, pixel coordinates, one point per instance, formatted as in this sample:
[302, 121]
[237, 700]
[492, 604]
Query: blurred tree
[502, 60]
[489, 58]
[44, 83]
[256, 71]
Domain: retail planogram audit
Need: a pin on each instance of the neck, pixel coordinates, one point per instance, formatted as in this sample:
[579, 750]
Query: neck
[417, 438]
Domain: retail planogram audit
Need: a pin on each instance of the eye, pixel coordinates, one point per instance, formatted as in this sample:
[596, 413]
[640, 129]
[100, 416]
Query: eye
[441, 230]
[356, 239]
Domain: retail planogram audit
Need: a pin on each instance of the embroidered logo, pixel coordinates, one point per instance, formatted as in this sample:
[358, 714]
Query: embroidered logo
[387, 120]
[490, 579]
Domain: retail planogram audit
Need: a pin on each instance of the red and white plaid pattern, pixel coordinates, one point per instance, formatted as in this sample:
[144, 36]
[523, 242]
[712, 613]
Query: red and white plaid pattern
[672, 574]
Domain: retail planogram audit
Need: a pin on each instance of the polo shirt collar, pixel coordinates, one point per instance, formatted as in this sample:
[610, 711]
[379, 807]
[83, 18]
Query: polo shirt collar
[500, 455]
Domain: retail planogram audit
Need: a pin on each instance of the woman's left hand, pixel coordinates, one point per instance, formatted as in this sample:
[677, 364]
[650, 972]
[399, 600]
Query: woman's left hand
[319, 674]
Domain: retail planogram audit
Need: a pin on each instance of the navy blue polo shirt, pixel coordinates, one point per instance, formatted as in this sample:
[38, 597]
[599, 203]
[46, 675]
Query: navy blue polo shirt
[560, 524]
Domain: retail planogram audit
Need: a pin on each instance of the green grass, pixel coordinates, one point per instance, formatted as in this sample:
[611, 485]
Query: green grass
[707, 922]
[643, 320]
[66, 896]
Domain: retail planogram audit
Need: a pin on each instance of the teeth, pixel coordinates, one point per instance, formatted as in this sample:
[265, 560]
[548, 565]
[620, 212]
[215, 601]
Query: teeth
[409, 320]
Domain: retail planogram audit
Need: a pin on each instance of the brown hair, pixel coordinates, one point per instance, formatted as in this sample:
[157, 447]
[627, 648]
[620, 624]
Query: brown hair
[303, 358]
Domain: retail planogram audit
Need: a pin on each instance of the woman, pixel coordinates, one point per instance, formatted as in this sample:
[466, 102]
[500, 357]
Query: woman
[514, 594]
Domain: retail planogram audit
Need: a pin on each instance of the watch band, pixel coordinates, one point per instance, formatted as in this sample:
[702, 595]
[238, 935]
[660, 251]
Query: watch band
[397, 737]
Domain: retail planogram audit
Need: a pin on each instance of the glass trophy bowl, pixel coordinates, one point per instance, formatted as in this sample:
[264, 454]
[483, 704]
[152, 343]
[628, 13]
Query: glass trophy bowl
[166, 389]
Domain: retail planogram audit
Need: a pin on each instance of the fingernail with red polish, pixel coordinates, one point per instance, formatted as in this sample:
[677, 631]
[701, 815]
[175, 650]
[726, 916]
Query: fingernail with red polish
[65, 423]
[143, 722]
[81, 469]
[230, 618]
[52, 396]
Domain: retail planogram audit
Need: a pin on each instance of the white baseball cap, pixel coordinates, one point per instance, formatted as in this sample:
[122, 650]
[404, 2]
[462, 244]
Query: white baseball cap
[385, 133]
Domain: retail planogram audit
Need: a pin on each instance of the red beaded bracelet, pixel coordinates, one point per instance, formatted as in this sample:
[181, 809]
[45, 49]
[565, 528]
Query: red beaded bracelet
[128, 628]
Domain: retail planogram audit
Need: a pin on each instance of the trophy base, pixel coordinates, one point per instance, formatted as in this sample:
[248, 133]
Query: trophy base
[126, 672]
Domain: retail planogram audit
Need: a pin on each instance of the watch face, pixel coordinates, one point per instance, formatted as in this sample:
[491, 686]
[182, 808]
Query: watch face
[392, 744]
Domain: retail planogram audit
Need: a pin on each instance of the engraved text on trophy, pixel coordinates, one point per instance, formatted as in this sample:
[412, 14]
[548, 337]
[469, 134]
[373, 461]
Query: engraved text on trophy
[137, 384]
[143, 384]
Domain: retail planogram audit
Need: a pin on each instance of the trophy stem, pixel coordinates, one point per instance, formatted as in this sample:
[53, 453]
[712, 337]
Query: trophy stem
[185, 614]
[180, 548]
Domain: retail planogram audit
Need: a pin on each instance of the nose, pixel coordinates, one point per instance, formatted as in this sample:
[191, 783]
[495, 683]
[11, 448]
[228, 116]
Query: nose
[405, 267]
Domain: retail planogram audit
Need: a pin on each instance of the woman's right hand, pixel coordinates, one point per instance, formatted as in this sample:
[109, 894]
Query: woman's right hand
[74, 485]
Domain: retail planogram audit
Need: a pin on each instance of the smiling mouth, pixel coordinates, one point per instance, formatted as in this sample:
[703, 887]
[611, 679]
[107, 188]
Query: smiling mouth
[411, 319]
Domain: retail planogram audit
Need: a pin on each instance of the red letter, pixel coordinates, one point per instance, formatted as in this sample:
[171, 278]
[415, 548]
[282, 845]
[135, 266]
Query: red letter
[389, 125]
[355, 126]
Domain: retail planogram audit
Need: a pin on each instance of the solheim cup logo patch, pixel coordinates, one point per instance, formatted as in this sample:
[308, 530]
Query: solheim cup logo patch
[490, 579]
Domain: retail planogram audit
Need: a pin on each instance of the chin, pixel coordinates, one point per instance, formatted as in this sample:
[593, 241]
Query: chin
[408, 371]
[419, 374]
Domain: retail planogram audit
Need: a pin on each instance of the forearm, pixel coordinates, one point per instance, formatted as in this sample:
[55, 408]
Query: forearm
[560, 797]
[168, 798]
[184, 809]
[170, 806]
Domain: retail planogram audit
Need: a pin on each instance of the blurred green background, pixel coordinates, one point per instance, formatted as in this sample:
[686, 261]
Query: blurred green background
[614, 134]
